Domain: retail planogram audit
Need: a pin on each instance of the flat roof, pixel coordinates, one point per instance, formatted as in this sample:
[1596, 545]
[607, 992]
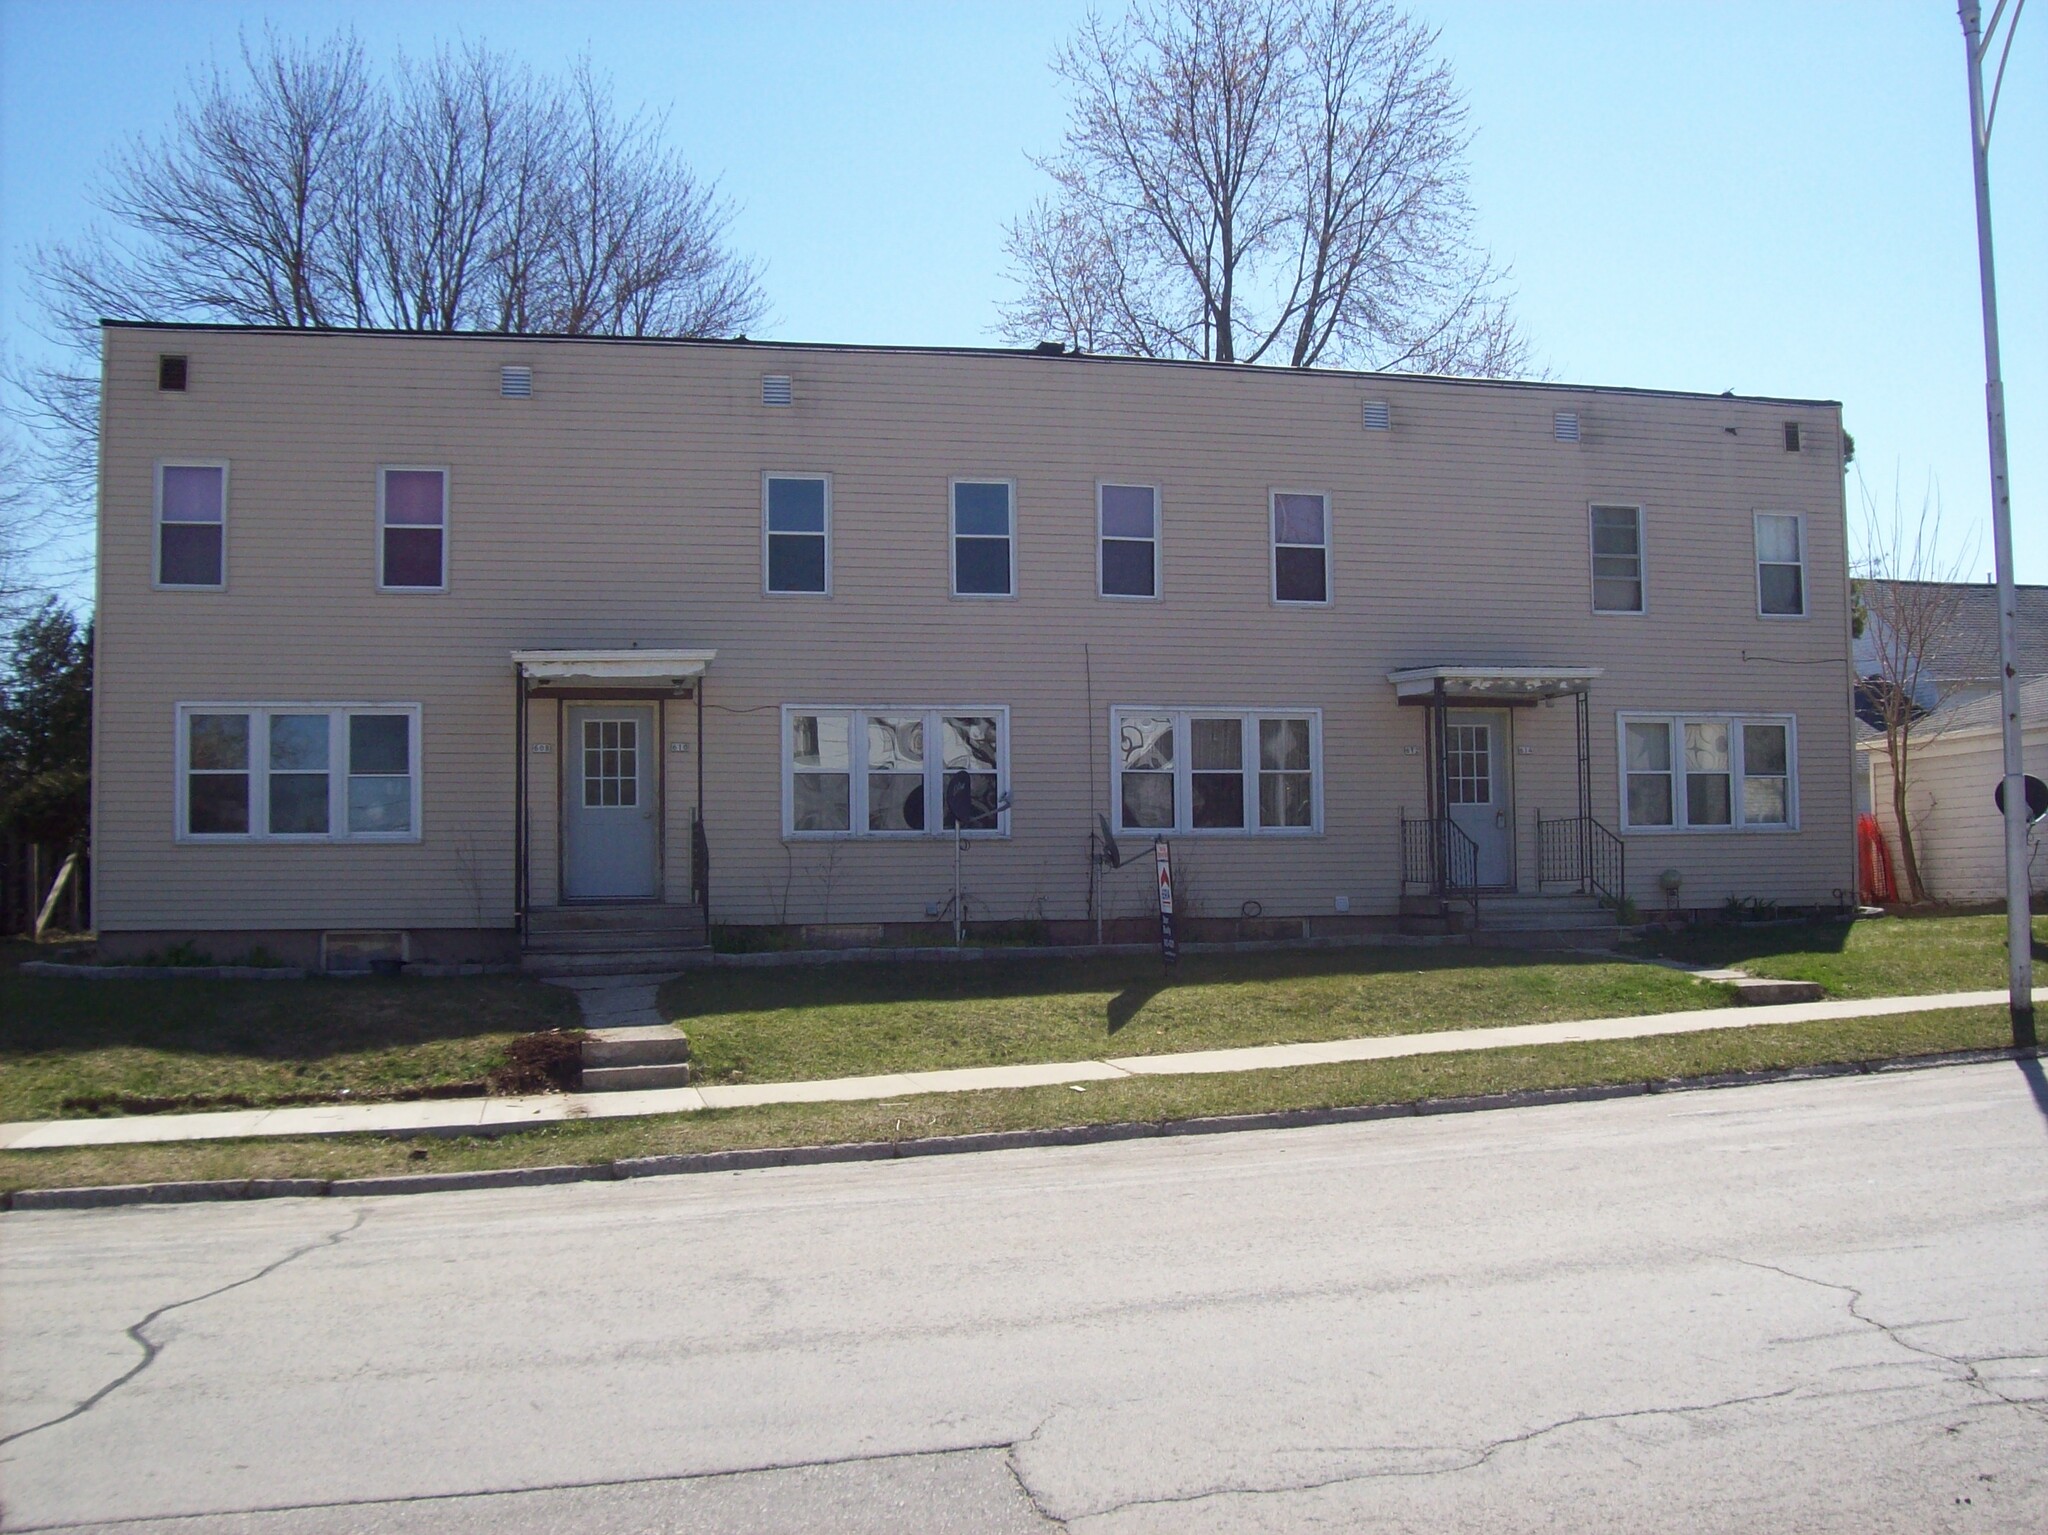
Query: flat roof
[958, 351]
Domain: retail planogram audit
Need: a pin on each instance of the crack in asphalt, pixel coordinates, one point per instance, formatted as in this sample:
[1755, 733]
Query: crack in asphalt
[1016, 1471]
[1475, 1458]
[150, 1348]
[1966, 1363]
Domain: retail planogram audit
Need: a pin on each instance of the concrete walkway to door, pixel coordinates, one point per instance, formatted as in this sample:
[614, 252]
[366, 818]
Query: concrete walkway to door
[492, 1116]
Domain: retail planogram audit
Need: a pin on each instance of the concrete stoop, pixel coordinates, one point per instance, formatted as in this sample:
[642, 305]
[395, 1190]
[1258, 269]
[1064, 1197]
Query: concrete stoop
[629, 938]
[627, 1059]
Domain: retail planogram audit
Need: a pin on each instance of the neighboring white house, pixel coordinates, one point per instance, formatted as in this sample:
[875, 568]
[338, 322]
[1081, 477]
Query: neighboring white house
[1951, 775]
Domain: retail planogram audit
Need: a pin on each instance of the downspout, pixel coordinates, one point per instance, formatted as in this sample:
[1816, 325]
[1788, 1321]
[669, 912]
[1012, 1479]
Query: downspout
[702, 838]
[519, 874]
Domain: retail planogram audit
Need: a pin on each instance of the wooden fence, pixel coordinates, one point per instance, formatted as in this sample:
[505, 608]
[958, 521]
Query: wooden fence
[28, 871]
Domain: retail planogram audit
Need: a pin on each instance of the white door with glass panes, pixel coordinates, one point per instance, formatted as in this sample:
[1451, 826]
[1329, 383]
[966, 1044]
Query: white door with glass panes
[1476, 789]
[609, 821]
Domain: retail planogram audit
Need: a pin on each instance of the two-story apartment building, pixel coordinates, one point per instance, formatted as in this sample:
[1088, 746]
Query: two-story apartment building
[456, 644]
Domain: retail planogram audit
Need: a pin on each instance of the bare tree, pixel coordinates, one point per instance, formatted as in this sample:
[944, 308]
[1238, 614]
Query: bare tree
[1908, 599]
[1262, 180]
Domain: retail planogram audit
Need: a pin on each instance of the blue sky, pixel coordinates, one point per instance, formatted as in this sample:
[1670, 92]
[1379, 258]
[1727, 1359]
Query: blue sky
[1771, 198]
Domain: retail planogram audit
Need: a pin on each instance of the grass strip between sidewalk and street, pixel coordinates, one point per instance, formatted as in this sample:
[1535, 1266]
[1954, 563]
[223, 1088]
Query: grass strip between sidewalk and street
[1403, 1080]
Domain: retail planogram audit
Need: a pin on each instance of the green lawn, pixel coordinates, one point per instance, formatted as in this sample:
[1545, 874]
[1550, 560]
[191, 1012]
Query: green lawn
[1872, 957]
[69, 1047]
[778, 1024]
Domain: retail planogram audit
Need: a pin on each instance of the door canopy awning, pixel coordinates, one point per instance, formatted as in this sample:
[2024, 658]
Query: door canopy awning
[1490, 684]
[601, 668]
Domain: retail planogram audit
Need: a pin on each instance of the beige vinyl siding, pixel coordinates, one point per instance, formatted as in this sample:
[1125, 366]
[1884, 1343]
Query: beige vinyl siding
[1957, 830]
[621, 505]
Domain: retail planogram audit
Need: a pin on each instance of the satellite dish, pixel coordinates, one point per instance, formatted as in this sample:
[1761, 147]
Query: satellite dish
[2037, 798]
[1111, 854]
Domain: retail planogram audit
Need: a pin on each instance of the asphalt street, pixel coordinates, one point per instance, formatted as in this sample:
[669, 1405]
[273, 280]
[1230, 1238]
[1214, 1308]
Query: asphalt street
[1815, 1306]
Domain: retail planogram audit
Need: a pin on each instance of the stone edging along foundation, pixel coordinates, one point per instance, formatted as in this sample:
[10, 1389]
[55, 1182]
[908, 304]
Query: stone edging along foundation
[946, 1145]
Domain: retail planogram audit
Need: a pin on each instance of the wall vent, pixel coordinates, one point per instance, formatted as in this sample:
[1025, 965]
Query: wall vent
[1564, 426]
[1379, 416]
[1791, 436]
[515, 383]
[170, 374]
[775, 389]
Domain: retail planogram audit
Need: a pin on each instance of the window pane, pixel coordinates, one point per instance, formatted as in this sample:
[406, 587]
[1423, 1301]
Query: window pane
[298, 742]
[1649, 799]
[218, 803]
[982, 509]
[1763, 801]
[1297, 519]
[981, 566]
[192, 494]
[1286, 799]
[819, 802]
[379, 743]
[380, 804]
[971, 801]
[298, 803]
[1777, 539]
[820, 741]
[1649, 748]
[1216, 745]
[1283, 744]
[1298, 576]
[412, 557]
[968, 741]
[218, 740]
[1218, 799]
[896, 801]
[190, 554]
[1611, 595]
[1145, 741]
[1148, 801]
[896, 743]
[1763, 749]
[796, 506]
[1615, 531]
[412, 497]
[1127, 568]
[1706, 799]
[796, 562]
[1706, 748]
[1783, 590]
[1127, 511]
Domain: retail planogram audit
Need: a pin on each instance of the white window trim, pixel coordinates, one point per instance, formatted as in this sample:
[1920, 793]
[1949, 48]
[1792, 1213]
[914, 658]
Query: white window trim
[800, 474]
[952, 559]
[1183, 770]
[857, 771]
[259, 773]
[447, 527]
[1737, 750]
[1642, 560]
[1757, 562]
[156, 535]
[1274, 546]
[1158, 542]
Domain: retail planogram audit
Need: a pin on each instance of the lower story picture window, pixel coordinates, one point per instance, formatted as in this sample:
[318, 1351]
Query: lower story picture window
[1713, 773]
[1229, 763]
[261, 773]
[881, 772]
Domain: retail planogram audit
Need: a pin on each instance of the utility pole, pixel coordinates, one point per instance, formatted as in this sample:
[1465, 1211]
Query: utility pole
[2019, 936]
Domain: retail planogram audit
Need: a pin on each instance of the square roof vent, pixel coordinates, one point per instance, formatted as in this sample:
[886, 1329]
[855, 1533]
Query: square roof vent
[515, 383]
[1379, 416]
[1564, 426]
[775, 389]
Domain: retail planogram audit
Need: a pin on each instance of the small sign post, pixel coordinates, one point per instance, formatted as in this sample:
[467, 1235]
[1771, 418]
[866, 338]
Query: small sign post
[1169, 949]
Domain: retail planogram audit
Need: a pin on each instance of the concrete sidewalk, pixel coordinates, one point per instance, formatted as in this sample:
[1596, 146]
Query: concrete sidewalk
[497, 1115]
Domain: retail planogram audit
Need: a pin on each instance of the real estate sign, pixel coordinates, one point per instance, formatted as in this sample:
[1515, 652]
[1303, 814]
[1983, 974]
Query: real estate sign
[1169, 950]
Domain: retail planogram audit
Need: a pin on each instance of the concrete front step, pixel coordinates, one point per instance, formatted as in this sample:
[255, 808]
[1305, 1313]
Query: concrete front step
[627, 1079]
[626, 938]
[652, 1044]
[1541, 921]
[606, 919]
[614, 961]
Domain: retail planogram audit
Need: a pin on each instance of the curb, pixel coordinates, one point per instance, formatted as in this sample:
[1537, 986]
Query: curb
[955, 1145]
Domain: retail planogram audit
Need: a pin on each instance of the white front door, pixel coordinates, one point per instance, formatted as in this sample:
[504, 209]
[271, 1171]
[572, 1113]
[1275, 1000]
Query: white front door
[608, 814]
[1480, 801]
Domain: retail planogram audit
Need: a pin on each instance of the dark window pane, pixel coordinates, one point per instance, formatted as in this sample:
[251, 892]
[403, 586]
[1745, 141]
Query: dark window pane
[796, 562]
[1286, 799]
[1614, 595]
[1127, 568]
[191, 554]
[981, 566]
[896, 802]
[971, 801]
[982, 509]
[412, 497]
[1706, 799]
[1783, 591]
[378, 743]
[298, 802]
[1649, 799]
[1298, 576]
[219, 803]
[412, 556]
[219, 740]
[796, 506]
[819, 802]
[1148, 801]
[1219, 799]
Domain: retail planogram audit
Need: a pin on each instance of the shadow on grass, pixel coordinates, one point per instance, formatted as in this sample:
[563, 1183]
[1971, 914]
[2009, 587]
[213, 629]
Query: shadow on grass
[1728, 943]
[1127, 1004]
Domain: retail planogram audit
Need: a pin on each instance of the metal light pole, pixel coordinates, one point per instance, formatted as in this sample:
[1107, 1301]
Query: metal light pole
[2019, 936]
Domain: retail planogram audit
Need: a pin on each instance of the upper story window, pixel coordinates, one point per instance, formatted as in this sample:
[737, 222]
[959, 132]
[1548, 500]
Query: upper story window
[1617, 559]
[984, 546]
[1203, 770]
[1781, 564]
[412, 529]
[298, 772]
[1128, 549]
[894, 771]
[1708, 773]
[191, 525]
[1301, 547]
[171, 373]
[796, 527]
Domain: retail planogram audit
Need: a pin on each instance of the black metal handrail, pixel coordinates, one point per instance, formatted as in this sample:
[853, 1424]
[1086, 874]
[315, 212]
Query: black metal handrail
[1439, 856]
[1578, 850]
